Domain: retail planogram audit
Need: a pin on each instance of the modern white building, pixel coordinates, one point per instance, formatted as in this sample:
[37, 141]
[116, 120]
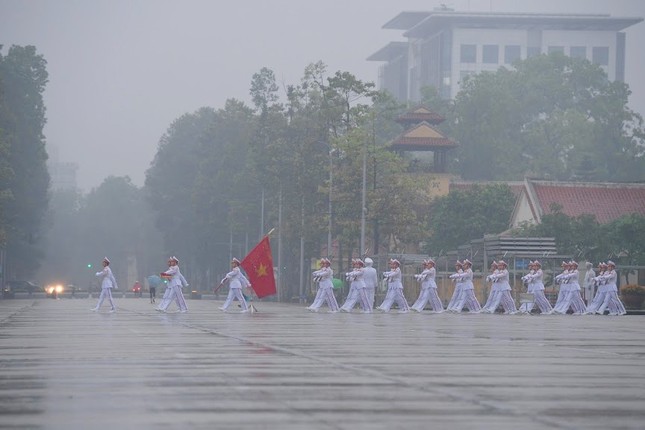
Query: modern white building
[443, 46]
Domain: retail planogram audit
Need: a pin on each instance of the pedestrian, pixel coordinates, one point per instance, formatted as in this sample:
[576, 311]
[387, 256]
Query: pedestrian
[467, 297]
[394, 289]
[572, 298]
[535, 286]
[174, 287]
[325, 293]
[236, 280]
[153, 281]
[358, 292]
[370, 277]
[428, 292]
[611, 302]
[503, 291]
[107, 283]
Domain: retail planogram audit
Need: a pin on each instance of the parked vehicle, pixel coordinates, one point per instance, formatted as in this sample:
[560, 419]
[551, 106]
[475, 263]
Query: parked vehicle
[12, 287]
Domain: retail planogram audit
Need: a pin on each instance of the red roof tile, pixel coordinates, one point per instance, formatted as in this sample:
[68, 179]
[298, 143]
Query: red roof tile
[606, 201]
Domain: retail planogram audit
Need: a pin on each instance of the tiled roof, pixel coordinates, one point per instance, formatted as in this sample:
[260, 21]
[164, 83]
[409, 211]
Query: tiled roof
[420, 114]
[606, 201]
[422, 137]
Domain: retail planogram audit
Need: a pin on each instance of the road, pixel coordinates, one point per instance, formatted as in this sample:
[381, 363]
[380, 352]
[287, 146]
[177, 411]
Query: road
[64, 367]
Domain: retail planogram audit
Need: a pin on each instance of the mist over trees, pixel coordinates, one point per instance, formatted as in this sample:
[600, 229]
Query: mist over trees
[223, 177]
[24, 179]
[553, 117]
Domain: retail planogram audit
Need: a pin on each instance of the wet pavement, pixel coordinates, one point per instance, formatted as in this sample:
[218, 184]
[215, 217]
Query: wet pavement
[64, 367]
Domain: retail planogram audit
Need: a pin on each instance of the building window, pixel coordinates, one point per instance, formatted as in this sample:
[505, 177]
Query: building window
[600, 55]
[512, 53]
[532, 51]
[490, 54]
[578, 52]
[553, 49]
[468, 53]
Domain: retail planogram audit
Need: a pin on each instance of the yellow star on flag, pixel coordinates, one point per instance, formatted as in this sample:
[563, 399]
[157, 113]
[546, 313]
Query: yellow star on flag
[261, 270]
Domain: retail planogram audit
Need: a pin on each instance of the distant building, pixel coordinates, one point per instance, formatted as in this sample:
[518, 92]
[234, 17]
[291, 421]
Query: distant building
[443, 46]
[62, 174]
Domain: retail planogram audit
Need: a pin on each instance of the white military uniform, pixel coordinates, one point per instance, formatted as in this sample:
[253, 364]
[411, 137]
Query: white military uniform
[467, 296]
[589, 283]
[394, 292]
[174, 290]
[359, 292]
[325, 293]
[536, 287]
[236, 280]
[612, 302]
[456, 294]
[572, 298]
[428, 291]
[561, 279]
[370, 277]
[500, 294]
[601, 292]
[107, 283]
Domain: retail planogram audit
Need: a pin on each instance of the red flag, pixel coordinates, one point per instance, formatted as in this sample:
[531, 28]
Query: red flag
[258, 265]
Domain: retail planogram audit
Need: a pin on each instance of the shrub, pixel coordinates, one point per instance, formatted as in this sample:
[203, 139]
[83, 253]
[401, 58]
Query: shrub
[632, 289]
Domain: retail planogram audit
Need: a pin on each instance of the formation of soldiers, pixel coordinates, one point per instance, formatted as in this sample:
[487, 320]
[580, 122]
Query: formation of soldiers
[363, 280]
[363, 284]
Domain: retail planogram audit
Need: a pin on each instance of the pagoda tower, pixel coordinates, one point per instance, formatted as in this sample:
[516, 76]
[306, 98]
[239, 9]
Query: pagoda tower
[421, 134]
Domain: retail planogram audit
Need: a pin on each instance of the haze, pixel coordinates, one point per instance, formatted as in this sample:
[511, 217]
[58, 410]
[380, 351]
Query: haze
[121, 71]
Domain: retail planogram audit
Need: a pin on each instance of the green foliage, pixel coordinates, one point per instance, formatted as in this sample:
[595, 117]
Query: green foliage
[24, 179]
[461, 216]
[622, 240]
[554, 117]
[627, 239]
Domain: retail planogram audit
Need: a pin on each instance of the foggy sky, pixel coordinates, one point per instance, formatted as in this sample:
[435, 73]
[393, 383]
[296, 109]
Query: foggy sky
[121, 71]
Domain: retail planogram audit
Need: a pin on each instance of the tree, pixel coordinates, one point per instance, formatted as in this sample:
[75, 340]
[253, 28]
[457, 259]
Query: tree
[626, 238]
[112, 222]
[6, 174]
[24, 179]
[552, 116]
[461, 216]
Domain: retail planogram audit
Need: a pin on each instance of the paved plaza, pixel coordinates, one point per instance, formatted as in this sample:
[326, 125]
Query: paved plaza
[64, 367]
